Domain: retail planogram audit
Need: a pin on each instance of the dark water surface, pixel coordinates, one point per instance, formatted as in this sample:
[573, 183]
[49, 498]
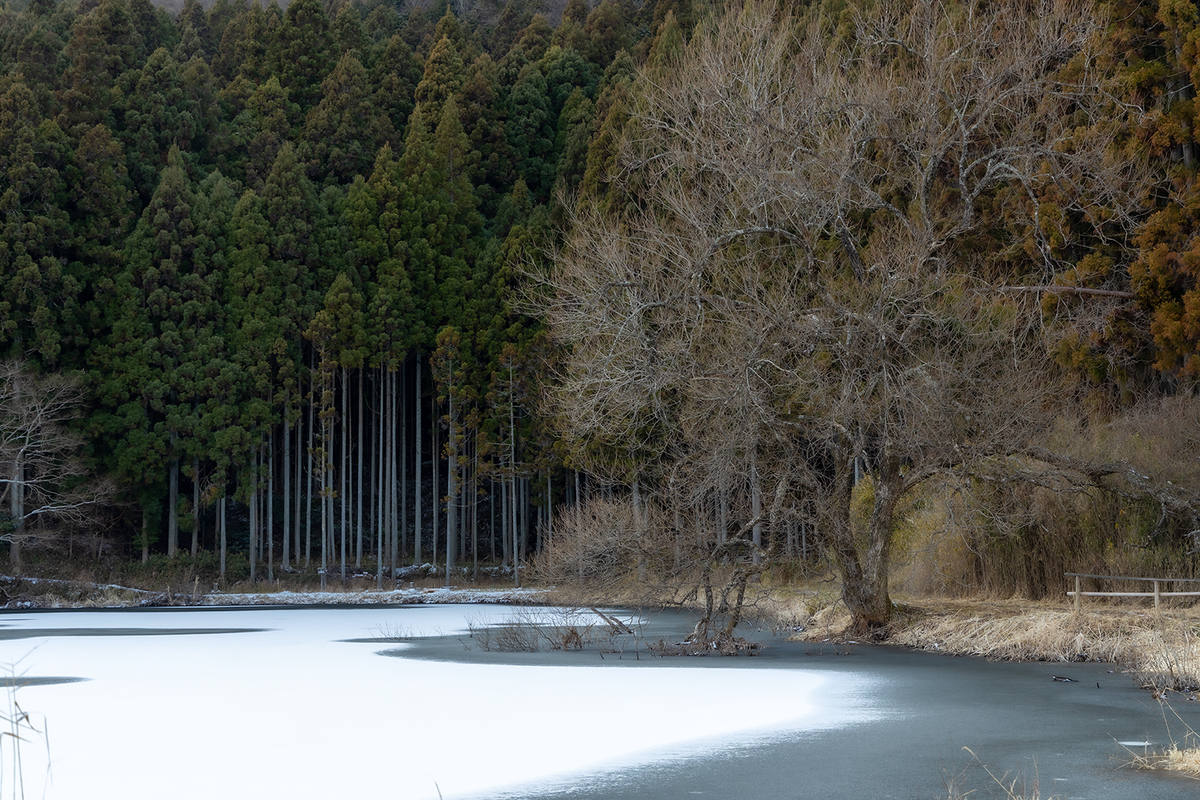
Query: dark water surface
[1060, 739]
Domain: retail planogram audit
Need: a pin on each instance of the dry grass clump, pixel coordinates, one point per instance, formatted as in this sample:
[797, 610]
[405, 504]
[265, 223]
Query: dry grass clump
[1018, 786]
[1167, 658]
[1160, 651]
[1035, 634]
[1183, 760]
[1181, 757]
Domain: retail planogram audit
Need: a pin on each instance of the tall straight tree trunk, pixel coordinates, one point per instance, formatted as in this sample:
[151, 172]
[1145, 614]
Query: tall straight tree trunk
[464, 491]
[358, 527]
[331, 511]
[343, 493]
[323, 474]
[324, 477]
[389, 472]
[401, 482]
[451, 486]
[252, 484]
[287, 481]
[512, 465]
[270, 501]
[516, 550]
[374, 434]
[309, 482]
[173, 505]
[299, 479]
[380, 478]
[394, 485]
[195, 506]
[464, 481]
[435, 463]
[474, 495]
[299, 474]
[224, 538]
[417, 463]
[526, 502]
[145, 535]
[505, 535]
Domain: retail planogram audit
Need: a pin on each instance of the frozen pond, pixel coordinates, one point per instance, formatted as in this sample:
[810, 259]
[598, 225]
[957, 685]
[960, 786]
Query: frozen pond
[316, 703]
[297, 703]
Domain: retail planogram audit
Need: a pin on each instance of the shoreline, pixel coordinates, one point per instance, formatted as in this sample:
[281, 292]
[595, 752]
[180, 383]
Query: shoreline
[1160, 651]
[42, 593]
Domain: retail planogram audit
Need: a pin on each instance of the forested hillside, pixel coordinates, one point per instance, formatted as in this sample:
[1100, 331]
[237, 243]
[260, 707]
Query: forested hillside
[276, 251]
[277, 282]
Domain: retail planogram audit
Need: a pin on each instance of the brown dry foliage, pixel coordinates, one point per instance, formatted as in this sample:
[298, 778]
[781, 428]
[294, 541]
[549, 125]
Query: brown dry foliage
[1156, 651]
[804, 291]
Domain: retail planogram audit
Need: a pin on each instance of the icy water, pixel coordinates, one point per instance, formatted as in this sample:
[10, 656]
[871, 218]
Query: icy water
[323, 702]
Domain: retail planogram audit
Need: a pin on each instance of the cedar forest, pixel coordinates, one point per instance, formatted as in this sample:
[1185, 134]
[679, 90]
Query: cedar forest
[310, 284]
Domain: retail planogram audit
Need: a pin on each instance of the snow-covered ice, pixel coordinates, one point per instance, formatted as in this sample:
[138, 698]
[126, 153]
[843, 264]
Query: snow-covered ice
[292, 710]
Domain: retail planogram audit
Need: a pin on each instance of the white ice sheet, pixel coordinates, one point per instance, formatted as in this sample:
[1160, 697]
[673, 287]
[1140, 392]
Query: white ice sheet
[293, 712]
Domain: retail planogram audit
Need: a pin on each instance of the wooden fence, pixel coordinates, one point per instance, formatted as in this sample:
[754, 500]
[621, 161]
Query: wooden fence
[1157, 594]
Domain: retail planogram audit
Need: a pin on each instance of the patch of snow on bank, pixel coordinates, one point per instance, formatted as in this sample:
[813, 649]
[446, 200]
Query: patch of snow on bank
[292, 710]
[372, 597]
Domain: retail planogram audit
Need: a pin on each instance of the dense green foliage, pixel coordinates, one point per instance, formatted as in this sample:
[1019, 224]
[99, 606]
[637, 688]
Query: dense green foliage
[246, 225]
[282, 247]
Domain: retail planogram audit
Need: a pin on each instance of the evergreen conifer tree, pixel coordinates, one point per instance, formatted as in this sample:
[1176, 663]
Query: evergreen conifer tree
[302, 54]
[338, 134]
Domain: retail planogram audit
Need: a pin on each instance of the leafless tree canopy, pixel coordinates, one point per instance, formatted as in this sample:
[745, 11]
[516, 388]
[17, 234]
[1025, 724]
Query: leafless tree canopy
[40, 465]
[804, 290]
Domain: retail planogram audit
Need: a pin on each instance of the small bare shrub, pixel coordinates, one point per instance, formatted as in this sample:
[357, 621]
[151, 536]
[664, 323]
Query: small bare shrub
[594, 548]
[529, 630]
[393, 633]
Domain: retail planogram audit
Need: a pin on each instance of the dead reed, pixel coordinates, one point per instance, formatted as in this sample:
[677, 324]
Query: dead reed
[1159, 651]
[1011, 786]
[1181, 756]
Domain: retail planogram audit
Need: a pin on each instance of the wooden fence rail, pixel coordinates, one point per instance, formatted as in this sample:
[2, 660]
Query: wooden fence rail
[1157, 594]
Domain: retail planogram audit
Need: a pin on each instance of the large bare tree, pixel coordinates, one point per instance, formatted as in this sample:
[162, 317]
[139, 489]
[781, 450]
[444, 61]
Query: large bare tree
[812, 290]
[43, 475]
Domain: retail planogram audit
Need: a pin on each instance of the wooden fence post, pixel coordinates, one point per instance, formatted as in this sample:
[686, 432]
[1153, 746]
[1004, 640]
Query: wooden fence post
[1076, 594]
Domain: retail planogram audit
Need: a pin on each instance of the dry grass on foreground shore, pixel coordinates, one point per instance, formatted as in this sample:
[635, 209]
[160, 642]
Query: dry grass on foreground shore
[1160, 651]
